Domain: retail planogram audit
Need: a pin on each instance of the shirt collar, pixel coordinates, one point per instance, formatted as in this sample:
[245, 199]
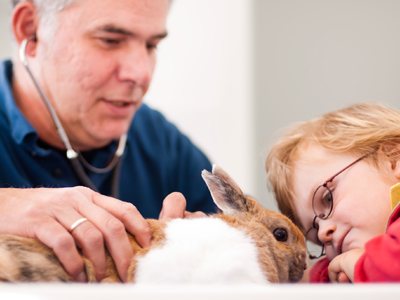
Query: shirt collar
[21, 130]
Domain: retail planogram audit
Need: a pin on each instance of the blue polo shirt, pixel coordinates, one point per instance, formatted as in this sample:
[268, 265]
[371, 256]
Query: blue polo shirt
[158, 159]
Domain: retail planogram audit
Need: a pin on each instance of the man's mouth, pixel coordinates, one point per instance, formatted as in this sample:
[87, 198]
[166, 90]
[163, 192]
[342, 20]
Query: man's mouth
[134, 98]
[120, 103]
[120, 108]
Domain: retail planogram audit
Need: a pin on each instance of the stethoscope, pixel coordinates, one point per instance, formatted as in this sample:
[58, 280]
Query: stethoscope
[75, 158]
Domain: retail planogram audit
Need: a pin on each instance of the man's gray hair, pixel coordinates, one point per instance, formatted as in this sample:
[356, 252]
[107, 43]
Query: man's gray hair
[46, 6]
[47, 10]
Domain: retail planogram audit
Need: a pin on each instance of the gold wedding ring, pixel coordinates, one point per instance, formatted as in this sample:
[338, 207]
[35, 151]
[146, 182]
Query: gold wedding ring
[76, 224]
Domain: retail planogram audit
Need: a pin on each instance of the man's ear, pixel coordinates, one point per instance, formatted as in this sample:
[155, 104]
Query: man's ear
[24, 25]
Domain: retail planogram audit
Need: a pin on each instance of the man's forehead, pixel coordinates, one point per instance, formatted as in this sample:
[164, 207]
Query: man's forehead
[127, 17]
[139, 7]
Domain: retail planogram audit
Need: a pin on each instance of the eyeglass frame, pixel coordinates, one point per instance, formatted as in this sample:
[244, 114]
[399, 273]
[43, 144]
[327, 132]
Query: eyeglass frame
[322, 216]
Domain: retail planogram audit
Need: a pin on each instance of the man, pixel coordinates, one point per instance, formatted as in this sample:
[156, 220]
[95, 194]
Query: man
[93, 61]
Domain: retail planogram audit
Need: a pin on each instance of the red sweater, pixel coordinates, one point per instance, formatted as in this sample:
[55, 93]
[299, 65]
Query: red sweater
[381, 260]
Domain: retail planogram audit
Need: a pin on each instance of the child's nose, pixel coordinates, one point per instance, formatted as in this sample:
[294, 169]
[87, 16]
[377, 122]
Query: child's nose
[326, 231]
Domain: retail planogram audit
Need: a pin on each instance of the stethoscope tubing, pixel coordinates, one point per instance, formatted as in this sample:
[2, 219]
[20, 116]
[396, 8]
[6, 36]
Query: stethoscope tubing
[71, 154]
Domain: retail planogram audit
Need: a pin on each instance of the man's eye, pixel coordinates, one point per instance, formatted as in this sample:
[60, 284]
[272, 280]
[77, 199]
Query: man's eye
[151, 46]
[110, 41]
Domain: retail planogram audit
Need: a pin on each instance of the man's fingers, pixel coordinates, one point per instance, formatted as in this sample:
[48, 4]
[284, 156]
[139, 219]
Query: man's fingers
[135, 223]
[87, 236]
[118, 245]
[194, 215]
[91, 241]
[107, 215]
[54, 235]
[128, 214]
[174, 206]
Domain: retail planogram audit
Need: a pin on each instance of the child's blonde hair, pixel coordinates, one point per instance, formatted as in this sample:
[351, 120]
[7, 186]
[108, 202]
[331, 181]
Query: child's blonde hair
[359, 129]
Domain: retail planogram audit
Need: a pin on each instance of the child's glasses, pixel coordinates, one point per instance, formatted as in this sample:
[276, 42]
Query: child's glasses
[322, 204]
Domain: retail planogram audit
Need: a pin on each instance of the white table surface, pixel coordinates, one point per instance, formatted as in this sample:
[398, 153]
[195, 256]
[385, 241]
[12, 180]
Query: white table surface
[274, 291]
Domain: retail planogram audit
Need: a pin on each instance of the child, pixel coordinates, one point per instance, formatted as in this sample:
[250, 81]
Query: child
[337, 178]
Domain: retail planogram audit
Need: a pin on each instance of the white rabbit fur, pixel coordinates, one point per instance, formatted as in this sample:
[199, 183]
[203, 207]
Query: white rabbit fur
[201, 251]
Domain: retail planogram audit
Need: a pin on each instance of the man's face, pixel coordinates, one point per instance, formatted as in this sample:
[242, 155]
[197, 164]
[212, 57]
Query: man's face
[99, 64]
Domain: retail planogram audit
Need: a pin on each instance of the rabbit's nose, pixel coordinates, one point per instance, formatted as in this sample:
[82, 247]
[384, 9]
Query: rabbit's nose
[305, 266]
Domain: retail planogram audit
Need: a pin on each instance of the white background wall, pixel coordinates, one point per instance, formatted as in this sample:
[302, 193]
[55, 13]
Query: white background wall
[233, 72]
[5, 28]
[203, 81]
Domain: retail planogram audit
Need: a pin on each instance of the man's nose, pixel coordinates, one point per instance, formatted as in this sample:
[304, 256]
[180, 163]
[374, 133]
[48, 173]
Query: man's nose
[136, 66]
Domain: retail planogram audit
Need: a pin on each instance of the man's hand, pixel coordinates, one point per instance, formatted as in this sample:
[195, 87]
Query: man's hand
[174, 206]
[341, 268]
[47, 214]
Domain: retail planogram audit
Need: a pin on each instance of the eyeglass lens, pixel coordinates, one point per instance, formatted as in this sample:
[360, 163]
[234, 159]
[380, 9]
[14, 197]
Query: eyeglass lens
[314, 246]
[322, 202]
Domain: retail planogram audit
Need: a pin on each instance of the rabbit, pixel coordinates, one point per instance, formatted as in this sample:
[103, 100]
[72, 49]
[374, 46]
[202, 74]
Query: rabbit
[243, 243]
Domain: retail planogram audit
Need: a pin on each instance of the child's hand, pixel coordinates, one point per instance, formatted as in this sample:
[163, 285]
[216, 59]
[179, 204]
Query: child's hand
[341, 268]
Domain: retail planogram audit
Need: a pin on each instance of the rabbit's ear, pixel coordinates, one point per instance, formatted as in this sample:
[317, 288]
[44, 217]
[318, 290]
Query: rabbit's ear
[220, 173]
[229, 198]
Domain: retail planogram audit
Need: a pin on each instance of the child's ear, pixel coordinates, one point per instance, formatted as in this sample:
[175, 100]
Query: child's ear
[395, 165]
[391, 152]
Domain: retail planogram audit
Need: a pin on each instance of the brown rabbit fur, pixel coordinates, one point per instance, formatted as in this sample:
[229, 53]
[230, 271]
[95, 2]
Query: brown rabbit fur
[280, 244]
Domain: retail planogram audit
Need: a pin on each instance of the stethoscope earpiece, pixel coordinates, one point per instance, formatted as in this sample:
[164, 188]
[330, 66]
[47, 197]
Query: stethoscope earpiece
[22, 49]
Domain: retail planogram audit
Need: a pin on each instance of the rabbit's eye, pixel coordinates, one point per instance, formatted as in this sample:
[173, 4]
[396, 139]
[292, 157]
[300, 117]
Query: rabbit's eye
[281, 235]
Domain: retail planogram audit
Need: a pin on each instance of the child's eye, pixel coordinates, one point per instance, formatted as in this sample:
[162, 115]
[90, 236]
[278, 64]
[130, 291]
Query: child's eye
[327, 198]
